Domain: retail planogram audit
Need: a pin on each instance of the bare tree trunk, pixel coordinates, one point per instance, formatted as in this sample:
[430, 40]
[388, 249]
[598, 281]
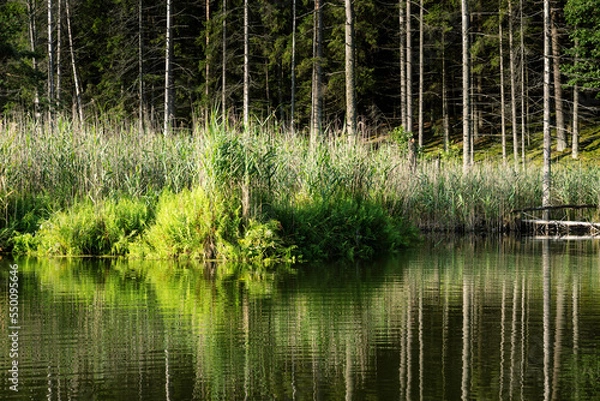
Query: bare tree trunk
[58, 51]
[208, 60]
[421, 72]
[51, 97]
[140, 67]
[293, 71]
[476, 114]
[169, 105]
[267, 87]
[513, 85]
[547, 173]
[575, 136]
[474, 119]
[575, 122]
[523, 79]
[401, 19]
[445, 112]
[409, 98]
[246, 88]
[502, 95]
[316, 107]
[31, 10]
[224, 65]
[558, 92]
[350, 101]
[74, 64]
[466, 83]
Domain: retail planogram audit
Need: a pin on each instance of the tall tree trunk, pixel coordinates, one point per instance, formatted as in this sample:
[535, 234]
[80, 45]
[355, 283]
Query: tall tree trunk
[74, 64]
[208, 61]
[246, 88]
[316, 101]
[169, 101]
[466, 83]
[401, 19]
[476, 113]
[51, 97]
[513, 84]
[224, 65]
[575, 122]
[350, 101]
[58, 52]
[475, 117]
[558, 92]
[421, 72]
[502, 95]
[445, 111]
[409, 97]
[140, 67]
[293, 71]
[575, 136]
[31, 10]
[267, 87]
[547, 173]
[523, 80]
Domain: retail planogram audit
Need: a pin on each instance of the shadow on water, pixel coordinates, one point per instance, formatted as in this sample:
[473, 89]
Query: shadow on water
[451, 319]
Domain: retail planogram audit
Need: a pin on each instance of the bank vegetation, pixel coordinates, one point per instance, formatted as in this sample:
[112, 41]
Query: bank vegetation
[256, 195]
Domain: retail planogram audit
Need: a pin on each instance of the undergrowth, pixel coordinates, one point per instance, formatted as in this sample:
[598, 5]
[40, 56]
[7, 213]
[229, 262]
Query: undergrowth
[256, 195]
[87, 229]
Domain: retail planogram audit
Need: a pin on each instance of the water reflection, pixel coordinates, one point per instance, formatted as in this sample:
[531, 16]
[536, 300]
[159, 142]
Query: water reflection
[452, 320]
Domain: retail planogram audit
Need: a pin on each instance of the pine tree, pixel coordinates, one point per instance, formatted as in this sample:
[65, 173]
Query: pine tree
[583, 19]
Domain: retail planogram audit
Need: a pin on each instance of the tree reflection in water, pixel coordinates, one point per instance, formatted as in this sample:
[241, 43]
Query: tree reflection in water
[453, 320]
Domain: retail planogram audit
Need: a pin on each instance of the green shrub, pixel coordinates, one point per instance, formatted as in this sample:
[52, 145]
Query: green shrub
[88, 229]
[262, 243]
[345, 228]
[189, 224]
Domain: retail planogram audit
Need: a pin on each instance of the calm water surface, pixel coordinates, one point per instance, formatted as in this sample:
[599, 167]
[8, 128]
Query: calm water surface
[509, 320]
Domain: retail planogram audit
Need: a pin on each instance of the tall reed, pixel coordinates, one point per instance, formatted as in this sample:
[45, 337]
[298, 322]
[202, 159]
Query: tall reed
[334, 198]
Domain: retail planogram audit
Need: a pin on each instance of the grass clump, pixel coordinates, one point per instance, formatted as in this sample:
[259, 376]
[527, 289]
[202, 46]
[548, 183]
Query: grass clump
[88, 229]
[188, 224]
[193, 224]
[21, 214]
[344, 228]
[263, 243]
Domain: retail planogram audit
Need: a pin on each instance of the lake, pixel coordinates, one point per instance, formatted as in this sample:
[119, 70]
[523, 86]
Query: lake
[449, 320]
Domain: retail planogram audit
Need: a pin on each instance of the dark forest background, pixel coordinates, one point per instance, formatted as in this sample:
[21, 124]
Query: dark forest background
[106, 59]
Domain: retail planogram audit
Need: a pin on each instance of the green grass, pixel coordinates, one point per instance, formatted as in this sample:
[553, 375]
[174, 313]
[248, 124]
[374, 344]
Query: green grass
[255, 195]
[87, 229]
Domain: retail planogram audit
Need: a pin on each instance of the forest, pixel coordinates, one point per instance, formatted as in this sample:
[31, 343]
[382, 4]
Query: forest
[237, 113]
[173, 64]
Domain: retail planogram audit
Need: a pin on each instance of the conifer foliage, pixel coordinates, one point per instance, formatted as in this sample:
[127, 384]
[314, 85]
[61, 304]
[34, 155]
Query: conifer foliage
[170, 64]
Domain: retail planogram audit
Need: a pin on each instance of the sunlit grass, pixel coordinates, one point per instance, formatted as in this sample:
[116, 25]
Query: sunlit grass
[260, 193]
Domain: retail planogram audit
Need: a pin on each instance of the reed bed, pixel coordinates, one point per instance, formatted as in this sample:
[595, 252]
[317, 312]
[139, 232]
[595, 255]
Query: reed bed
[220, 192]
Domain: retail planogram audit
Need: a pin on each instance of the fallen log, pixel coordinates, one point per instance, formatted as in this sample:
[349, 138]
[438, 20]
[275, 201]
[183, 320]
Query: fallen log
[560, 227]
[555, 207]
